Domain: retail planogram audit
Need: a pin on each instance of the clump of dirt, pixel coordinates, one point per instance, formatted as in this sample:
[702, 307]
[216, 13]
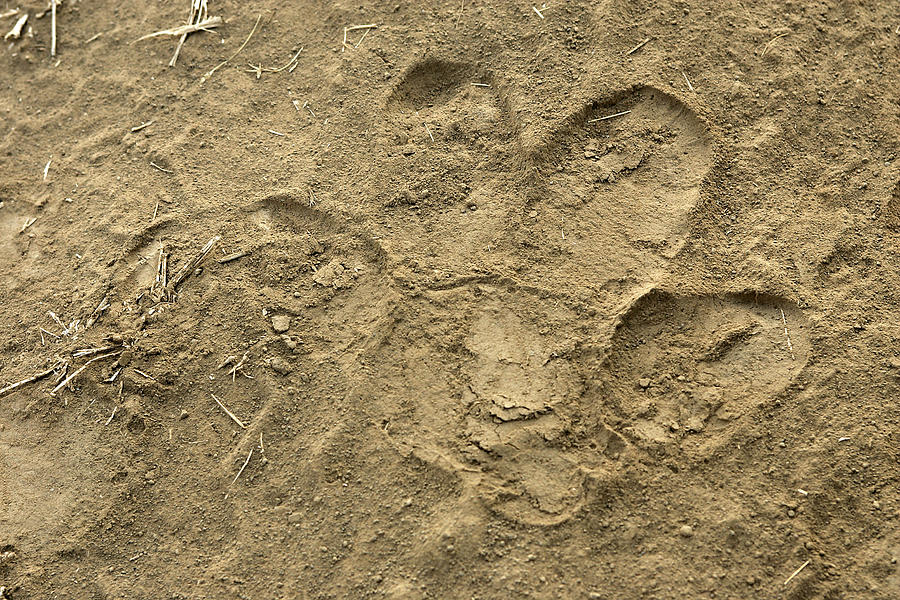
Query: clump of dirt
[585, 299]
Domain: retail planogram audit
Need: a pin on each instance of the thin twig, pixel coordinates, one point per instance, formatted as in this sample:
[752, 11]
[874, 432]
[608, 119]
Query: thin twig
[156, 166]
[243, 467]
[141, 126]
[109, 420]
[287, 65]
[365, 33]
[344, 44]
[231, 257]
[14, 386]
[638, 47]
[795, 573]
[618, 114]
[787, 335]
[90, 351]
[52, 27]
[209, 73]
[80, 369]
[145, 375]
[777, 37]
[185, 29]
[228, 412]
[687, 81]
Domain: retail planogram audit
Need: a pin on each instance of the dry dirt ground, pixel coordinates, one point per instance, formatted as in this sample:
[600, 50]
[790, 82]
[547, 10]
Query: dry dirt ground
[486, 342]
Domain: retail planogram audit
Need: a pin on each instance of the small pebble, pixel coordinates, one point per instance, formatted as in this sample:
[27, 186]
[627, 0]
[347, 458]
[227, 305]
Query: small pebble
[281, 323]
[125, 358]
[281, 366]
[290, 343]
[686, 531]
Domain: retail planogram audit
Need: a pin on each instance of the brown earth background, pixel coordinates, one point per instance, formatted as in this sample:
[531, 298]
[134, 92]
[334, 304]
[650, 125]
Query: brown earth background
[485, 342]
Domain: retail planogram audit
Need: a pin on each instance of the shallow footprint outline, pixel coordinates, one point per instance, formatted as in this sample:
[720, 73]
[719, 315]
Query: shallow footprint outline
[685, 365]
[617, 184]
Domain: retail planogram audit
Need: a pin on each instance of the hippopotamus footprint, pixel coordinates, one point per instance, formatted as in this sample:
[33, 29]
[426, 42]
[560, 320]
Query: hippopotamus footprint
[510, 368]
[609, 197]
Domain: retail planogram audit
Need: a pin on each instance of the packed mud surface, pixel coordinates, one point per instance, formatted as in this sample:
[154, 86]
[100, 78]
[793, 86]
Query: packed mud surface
[484, 299]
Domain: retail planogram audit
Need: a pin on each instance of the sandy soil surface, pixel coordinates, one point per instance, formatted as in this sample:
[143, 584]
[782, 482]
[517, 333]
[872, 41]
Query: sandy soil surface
[572, 300]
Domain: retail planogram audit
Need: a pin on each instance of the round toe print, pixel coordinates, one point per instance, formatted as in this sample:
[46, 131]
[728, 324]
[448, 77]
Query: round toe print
[448, 128]
[317, 270]
[619, 181]
[447, 103]
[689, 365]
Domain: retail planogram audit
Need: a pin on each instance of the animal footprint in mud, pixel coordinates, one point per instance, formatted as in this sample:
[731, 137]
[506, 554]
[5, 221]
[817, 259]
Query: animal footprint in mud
[620, 180]
[614, 194]
[687, 364]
